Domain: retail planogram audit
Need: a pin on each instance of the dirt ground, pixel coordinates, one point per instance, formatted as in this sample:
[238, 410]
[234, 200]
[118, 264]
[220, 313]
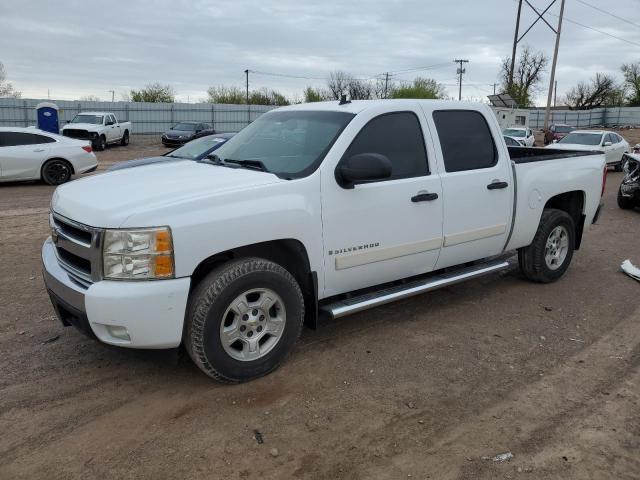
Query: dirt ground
[431, 388]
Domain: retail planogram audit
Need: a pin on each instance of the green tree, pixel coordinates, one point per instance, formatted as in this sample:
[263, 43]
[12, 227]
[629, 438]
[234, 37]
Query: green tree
[154, 93]
[420, 88]
[238, 96]
[631, 74]
[315, 95]
[6, 88]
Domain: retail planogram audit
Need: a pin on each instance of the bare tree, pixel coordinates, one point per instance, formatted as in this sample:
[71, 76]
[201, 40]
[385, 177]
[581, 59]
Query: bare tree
[631, 74]
[527, 75]
[90, 98]
[601, 90]
[338, 83]
[6, 88]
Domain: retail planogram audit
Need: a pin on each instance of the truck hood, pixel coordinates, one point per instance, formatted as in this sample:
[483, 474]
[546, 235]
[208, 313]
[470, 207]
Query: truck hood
[107, 200]
[81, 126]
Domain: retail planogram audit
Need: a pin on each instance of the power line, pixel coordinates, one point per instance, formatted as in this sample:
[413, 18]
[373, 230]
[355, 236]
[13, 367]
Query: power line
[609, 13]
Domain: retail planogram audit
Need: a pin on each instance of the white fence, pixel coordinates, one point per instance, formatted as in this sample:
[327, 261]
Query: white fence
[606, 117]
[145, 117]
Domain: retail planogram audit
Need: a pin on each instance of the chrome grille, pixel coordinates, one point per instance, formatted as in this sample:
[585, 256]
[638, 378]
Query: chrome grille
[78, 249]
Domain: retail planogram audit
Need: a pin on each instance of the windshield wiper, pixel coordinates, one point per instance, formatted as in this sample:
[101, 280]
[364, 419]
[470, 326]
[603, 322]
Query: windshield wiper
[252, 164]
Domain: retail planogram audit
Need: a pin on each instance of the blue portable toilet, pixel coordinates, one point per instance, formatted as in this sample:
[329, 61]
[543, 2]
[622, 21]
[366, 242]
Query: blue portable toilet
[47, 114]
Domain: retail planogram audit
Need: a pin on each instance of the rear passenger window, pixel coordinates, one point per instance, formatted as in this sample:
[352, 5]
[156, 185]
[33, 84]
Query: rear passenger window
[14, 139]
[398, 137]
[465, 139]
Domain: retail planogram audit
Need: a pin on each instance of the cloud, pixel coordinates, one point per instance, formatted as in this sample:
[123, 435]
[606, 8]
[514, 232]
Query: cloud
[78, 48]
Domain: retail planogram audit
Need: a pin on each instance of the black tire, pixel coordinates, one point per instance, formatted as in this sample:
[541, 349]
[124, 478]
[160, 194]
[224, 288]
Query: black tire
[100, 143]
[56, 171]
[617, 167]
[532, 258]
[625, 203]
[125, 139]
[208, 303]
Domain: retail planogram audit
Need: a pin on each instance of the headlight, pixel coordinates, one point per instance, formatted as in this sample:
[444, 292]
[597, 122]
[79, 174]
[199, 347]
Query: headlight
[140, 254]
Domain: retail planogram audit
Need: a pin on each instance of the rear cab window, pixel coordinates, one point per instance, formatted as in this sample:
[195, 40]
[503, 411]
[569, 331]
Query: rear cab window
[465, 139]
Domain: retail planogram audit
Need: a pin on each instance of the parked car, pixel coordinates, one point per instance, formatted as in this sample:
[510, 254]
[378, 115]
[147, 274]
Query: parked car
[184, 132]
[561, 130]
[629, 191]
[101, 128]
[612, 144]
[32, 154]
[511, 142]
[523, 135]
[194, 150]
[313, 210]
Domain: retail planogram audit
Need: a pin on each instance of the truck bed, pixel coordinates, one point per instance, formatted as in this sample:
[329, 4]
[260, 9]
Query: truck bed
[528, 155]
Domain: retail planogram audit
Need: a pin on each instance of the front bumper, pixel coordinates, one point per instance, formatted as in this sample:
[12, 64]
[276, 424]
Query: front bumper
[152, 312]
[175, 142]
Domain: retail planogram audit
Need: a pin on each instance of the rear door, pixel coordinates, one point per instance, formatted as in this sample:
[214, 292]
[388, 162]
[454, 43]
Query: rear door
[384, 230]
[476, 184]
[22, 154]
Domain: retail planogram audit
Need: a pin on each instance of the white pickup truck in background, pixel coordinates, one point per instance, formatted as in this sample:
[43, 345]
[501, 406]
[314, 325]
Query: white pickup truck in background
[313, 210]
[101, 128]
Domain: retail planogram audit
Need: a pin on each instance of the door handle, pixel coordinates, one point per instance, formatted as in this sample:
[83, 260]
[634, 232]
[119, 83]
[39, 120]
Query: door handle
[496, 184]
[424, 197]
[39, 150]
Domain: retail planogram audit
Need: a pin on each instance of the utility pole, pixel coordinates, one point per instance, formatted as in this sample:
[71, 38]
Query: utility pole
[386, 84]
[461, 70]
[113, 92]
[494, 88]
[553, 67]
[246, 72]
[515, 45]
[555, 93]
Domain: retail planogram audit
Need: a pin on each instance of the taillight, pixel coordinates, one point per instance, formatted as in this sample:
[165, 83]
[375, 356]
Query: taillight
[604, 179]
[87, 148]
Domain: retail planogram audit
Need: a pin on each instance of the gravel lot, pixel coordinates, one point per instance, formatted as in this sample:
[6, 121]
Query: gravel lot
[431, 387]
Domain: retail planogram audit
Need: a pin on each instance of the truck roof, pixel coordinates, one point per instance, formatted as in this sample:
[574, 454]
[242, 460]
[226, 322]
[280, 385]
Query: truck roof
[357, 106]
[95, 113]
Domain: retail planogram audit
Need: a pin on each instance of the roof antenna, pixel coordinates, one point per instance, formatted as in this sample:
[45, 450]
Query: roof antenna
[343, 100]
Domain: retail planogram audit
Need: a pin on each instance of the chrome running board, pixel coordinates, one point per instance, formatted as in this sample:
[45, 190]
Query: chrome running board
[376, 298]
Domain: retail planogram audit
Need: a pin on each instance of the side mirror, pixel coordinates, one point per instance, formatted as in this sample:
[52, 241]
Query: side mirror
[555, 141]
[362, 168]
[68, 121]
[607, 144]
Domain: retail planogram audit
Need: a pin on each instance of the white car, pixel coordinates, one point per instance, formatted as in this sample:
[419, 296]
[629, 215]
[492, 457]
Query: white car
[522, 134]
[612, 144]
[32, 154]
[313, 211]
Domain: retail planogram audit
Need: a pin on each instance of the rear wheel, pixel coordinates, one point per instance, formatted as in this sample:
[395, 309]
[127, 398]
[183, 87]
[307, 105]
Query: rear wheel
[56, 171]
[625, 203]
[550, 253]
[243, 319]
[125, 139]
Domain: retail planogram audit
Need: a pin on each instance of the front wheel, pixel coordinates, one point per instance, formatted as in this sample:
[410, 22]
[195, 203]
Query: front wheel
[243, 319]
[550, 253]
[625, 203]
[100, 143]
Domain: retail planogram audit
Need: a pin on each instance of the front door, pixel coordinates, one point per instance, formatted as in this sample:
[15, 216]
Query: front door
[383, 230]
[477, 187]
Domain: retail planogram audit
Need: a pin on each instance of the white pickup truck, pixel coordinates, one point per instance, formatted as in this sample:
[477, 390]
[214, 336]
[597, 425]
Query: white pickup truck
[313, 211]
[101, 128]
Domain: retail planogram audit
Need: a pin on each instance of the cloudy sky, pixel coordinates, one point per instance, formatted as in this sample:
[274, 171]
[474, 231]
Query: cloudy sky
[78, 48]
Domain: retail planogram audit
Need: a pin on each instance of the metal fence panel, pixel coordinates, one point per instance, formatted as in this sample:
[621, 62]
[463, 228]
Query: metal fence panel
[597, 117]
[146, 118]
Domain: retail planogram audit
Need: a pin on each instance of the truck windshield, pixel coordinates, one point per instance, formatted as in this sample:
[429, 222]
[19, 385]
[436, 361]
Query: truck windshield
[513, 132]
[83, 118]
[582, 139]
[290, 144]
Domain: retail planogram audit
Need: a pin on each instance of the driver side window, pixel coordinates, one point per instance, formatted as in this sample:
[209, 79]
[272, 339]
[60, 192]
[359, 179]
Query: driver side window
[398, 137]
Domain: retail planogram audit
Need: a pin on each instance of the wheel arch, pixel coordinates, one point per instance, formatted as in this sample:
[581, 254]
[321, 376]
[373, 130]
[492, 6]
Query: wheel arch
[573, 203]
[290, 253]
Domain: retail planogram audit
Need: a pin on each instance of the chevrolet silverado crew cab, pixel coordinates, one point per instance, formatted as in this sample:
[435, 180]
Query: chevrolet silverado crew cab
[313, 211]
[101, 128]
